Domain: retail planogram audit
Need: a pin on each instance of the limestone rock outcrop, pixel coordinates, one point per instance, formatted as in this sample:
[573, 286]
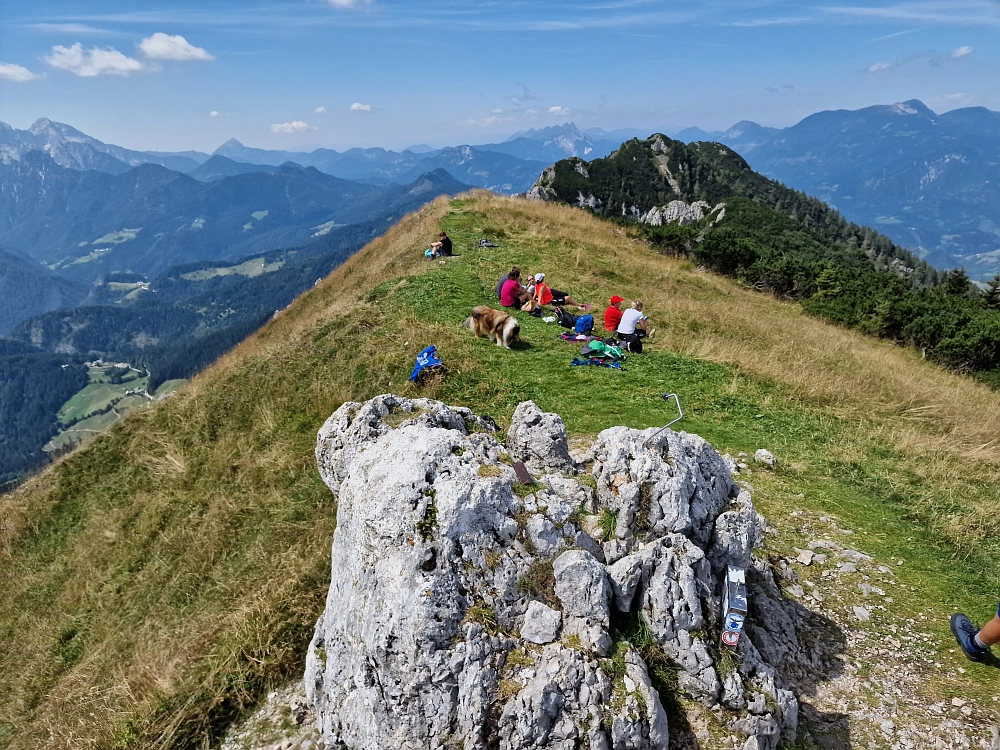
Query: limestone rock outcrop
[468, 610]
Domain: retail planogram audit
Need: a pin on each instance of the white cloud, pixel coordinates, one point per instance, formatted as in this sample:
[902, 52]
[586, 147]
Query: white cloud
[961, 52]
[320, 110]
[558, 111]
[358, 107]
[213, 113]
[92, 62]
[292, 127]
[349, 3]
[162, 46]
[880, 66]
[16, 73]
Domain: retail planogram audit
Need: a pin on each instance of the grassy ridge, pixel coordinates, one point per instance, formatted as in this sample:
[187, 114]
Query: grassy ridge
[156, 583]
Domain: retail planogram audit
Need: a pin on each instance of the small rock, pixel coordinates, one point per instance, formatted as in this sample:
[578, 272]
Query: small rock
[848, 568]
[862, 614]
[805, 557]
[765, 457]
[585, 541]
[958, 702]
[541, 623]
[795, 590]
[819, 559]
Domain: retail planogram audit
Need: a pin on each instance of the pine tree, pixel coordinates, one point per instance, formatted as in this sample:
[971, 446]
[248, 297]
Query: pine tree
[992, 297]
[956, 283]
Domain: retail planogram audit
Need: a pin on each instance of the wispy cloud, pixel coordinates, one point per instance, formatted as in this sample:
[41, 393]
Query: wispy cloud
[347, 4]
[93, 62]
[946, 12]
[16, 73]
[779, 89]
[931, 57]
[558, 111]
[896, 34]
[213, 113]
[162, 46]
[292, 127]
[487, 121]
[320, 110]
[786, 21]
[359, 107]
[80, 29]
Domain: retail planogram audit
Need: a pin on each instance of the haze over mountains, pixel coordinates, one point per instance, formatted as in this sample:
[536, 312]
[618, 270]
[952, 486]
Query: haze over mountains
[922, 178]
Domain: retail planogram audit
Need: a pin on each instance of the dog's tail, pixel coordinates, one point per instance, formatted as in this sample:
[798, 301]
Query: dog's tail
[468, 322]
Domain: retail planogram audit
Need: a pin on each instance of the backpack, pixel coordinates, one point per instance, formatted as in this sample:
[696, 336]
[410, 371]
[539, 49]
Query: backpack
[584, 324]
[565, 319]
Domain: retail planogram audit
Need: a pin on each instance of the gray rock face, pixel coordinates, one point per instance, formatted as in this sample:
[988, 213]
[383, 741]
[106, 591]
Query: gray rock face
[441, 627]
[583, 588]
[539, 439]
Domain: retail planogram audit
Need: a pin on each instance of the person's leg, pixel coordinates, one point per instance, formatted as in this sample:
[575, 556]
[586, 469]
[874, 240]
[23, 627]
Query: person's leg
[989, 634]
[975, 643]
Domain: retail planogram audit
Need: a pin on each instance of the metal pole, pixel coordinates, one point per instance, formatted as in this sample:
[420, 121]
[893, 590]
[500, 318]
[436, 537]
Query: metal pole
[680, 415]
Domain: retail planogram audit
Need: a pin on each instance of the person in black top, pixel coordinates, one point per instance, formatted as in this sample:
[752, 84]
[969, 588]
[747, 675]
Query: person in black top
[442, 246]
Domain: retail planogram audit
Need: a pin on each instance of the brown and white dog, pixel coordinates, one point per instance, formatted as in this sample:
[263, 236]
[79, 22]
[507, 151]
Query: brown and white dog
[498, 325]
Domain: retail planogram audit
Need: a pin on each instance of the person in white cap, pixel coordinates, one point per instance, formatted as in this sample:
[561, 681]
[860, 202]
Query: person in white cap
[546, 296]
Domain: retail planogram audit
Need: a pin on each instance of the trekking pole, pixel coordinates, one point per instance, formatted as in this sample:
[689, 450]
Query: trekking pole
[680, 415]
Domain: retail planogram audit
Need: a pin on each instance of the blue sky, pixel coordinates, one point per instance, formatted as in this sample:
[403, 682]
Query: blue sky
[298, 74]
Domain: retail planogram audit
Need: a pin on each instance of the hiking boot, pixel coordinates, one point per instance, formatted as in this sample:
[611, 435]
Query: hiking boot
[964, 632]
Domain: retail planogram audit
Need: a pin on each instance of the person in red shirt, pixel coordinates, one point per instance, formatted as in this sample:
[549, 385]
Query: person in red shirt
[546, 296]
[613, 315]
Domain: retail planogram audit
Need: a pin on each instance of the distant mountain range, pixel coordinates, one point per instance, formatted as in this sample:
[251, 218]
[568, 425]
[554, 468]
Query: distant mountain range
[87, 223]
[927, 180]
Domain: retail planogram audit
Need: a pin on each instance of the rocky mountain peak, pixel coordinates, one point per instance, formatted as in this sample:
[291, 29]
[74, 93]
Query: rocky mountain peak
[467, 608]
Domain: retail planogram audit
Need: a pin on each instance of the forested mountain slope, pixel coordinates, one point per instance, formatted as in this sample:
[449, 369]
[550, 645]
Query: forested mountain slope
[156, 584]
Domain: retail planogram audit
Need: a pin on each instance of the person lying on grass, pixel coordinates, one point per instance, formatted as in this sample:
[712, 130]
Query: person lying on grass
[546, 296]
[512, 294]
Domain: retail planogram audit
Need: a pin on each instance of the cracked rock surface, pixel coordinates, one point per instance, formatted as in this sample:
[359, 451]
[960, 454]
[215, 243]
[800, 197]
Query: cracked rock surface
[466, 610]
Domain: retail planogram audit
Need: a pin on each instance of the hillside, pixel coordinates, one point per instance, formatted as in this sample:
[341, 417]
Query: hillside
[703, 201]
[28, 289]
[158, 583]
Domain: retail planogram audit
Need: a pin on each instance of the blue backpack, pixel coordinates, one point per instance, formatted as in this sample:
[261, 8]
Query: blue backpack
[584, 325]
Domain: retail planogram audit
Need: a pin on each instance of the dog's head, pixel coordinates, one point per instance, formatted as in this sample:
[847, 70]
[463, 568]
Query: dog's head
[511, 331]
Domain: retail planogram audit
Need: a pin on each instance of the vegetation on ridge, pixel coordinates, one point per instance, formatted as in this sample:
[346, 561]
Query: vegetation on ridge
[782, 241]
[157, 583]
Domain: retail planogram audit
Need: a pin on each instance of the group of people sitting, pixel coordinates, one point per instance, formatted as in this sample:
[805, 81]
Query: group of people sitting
[629, 326]
[514, 294]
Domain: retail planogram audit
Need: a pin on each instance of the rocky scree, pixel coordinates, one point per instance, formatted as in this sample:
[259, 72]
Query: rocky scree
[467, 610]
